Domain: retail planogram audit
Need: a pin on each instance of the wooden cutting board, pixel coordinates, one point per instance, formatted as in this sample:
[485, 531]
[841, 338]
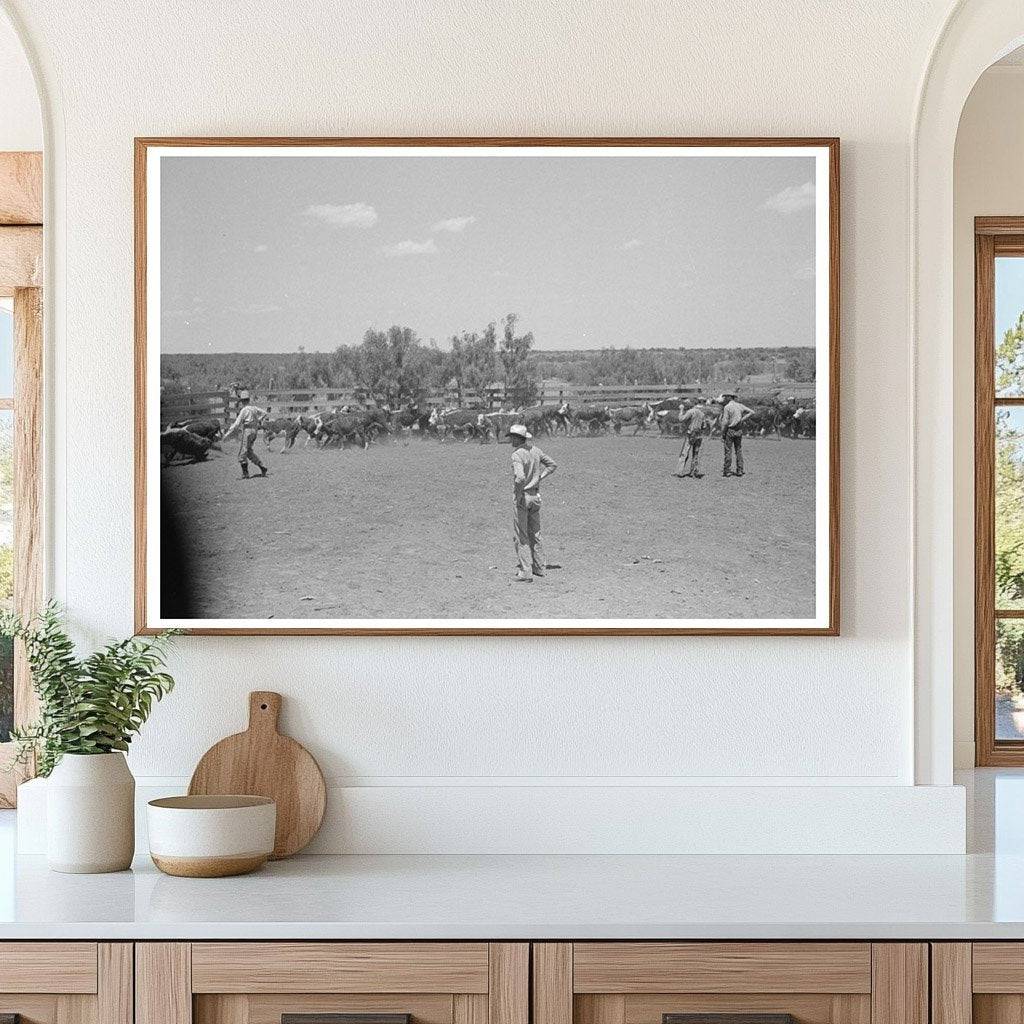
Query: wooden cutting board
[262, 762]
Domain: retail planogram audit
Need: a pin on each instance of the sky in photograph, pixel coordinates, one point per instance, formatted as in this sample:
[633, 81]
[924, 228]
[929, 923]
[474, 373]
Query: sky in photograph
[271, 253]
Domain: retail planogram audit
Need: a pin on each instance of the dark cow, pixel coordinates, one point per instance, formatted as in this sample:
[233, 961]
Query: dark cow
[411, 417]
[275, 427]
[638, 418]
[202, 426]
[181, 443]
[590, 419]
[764, 421]
[375, 423]
[464, 423]
[290, 429]
[340, 429]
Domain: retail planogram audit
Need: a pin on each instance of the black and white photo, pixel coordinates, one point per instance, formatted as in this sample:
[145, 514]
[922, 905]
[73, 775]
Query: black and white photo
[462, 386]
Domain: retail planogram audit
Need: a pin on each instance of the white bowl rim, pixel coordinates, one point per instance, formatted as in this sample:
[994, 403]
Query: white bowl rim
[212, 802]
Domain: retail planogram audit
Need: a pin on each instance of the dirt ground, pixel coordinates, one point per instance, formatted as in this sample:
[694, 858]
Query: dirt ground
[417, 529]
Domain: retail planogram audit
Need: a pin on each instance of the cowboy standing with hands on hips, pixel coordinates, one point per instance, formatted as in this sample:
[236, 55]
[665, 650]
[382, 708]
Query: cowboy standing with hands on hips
[529, 466]
[733, 416]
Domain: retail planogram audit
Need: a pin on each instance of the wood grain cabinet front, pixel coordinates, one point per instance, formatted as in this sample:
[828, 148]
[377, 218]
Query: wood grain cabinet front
[977, 983]
[66, 982]
[730, 983]
[332, 983]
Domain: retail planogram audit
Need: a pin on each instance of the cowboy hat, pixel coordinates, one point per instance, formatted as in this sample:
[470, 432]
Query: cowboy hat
[518, 430]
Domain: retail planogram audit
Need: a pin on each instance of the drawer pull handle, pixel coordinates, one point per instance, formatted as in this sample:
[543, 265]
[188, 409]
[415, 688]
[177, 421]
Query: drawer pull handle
[341, 1018]
[728, 1018]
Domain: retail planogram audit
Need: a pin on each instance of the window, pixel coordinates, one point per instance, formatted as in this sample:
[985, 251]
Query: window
[999, 490]
[20, 503]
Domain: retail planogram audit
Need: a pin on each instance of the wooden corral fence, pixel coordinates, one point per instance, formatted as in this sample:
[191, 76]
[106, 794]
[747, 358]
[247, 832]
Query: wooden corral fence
[183, 405]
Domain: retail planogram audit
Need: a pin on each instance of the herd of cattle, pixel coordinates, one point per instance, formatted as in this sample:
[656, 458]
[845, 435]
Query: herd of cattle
[192, 439]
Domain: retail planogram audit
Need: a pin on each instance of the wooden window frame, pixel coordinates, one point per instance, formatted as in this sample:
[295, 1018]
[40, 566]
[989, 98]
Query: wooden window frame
[21, 269]
[993, 237]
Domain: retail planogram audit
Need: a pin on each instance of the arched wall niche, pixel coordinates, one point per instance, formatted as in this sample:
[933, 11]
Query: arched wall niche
[975, 35]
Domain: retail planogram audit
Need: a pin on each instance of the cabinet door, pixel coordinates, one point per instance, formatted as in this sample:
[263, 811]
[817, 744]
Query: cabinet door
[737, 982]
[66, 982]
[981, 982]
[332, 983]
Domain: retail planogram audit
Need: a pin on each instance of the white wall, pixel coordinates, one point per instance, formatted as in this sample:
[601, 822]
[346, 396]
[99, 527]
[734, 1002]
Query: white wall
[442, 713]
[988, 181]
[21, 125]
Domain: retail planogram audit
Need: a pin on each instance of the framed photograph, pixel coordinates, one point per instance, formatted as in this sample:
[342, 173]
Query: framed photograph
[487, 386]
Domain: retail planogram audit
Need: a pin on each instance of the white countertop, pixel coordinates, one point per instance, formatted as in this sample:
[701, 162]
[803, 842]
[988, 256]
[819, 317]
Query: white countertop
[532, 897]
[978, 896]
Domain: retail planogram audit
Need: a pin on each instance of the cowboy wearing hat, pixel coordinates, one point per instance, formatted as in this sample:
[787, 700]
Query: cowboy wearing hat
[249, 420]
[733, 415]
[693, 423]
[529, 466]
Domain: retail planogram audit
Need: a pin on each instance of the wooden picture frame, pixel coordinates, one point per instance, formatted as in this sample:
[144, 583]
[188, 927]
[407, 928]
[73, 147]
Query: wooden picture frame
[825, 621]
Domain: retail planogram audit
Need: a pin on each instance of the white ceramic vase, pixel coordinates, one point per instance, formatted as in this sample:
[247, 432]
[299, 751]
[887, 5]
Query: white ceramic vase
[90, 814]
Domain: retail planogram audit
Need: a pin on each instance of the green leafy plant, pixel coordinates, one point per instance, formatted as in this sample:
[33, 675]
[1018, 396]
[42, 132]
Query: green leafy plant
[90, 705]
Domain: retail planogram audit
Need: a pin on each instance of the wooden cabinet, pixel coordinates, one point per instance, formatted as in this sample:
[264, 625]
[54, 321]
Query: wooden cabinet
[261, 982]
[66, 982]
[980, 982]
[815, 982]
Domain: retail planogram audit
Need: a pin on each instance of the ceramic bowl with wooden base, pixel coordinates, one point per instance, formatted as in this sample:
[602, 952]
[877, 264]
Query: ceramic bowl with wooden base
[211, 836]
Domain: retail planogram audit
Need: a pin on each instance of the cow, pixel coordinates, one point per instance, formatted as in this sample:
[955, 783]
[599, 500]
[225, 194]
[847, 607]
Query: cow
[764, 421]
[805, 423]
[290, 429]
[340, 429]
[375, 423]
[276, 427]
[591, 419]
[181, 442]
[559, 419]
[638, 418]
[535, 418]
[409, 417]
[464, 423]
[202, 426]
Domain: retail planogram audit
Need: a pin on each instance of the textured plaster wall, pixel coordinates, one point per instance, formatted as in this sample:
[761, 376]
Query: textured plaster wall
[730, 711]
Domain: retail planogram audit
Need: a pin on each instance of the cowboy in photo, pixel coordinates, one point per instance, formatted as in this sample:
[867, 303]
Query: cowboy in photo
[248, 421]
[529, 466]
[693, 423]
[733, 415]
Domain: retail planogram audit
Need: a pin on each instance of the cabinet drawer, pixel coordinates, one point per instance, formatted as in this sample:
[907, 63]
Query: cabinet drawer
[66, 982]
[733, 982]
[48, 967]
[635, 967]
[340, 967]
[264, 982]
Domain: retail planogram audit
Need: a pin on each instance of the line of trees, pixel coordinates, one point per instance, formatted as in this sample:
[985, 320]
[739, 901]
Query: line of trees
[396, 365]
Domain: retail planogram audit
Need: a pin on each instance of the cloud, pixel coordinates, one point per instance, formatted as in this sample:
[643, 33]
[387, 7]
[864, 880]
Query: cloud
[410, 248]
[805, 272]
[633, 243]
[453, 224]
[349, 215]
[792, 199]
